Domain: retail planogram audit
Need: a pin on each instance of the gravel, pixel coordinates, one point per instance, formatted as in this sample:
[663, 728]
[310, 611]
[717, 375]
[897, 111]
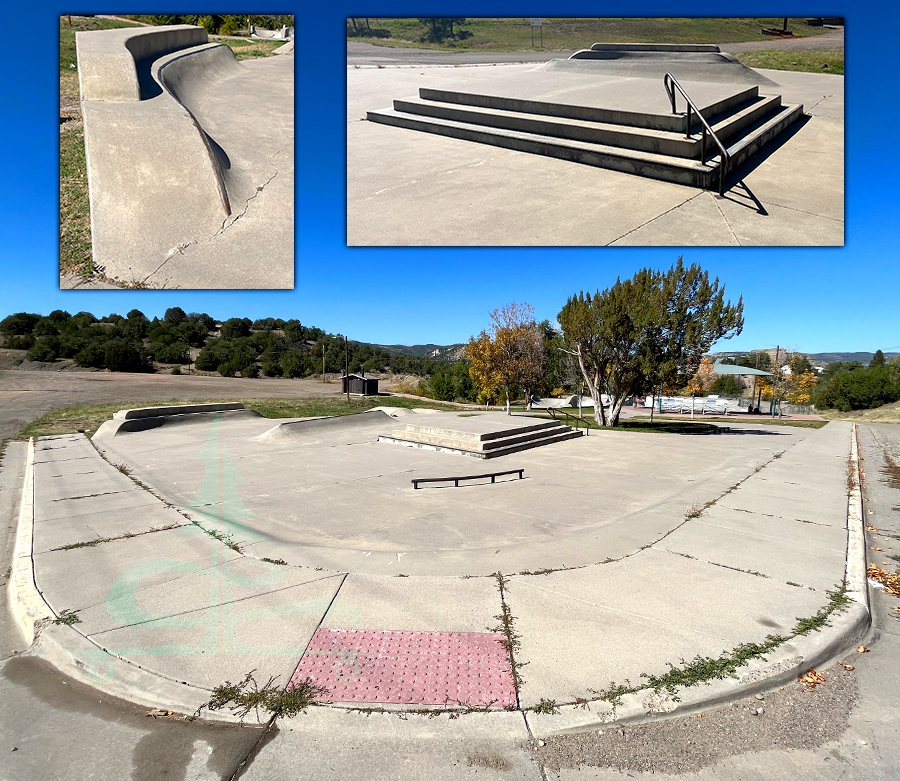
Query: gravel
[789, 718]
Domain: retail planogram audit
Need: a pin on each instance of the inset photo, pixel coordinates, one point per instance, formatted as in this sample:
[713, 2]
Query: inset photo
[595, 132]
[177, 151]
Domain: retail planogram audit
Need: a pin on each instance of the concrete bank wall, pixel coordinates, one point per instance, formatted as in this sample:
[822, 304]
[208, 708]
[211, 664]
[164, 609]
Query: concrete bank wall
[108, 59]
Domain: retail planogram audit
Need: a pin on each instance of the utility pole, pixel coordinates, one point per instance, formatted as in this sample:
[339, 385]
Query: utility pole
[777, 373]
[347, 367]
[323, 361]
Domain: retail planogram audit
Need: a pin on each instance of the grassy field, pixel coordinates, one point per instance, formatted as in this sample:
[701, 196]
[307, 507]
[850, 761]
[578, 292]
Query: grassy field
[74, 204]
[561, 34]
[87, 419]
[805, 61]
[888, 413]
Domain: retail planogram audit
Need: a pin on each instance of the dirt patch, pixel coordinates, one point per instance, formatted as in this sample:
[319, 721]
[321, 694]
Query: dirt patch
[791, 718]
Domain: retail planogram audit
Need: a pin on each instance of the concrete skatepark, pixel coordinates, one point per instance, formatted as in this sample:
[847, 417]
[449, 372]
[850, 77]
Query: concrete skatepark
[614, 559]
[587, 151]
[190, 158]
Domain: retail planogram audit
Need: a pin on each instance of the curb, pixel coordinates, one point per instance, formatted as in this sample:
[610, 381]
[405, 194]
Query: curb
[782, 666]
[29, 609]
[75, 655]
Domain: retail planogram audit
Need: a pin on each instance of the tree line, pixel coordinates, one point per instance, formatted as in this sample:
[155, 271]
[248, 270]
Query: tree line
[218, 24]
[270, 346]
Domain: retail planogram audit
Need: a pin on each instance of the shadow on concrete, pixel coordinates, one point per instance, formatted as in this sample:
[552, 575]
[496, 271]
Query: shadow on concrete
[756, 431]
[149, 87]
[749, 202]
[751, 163]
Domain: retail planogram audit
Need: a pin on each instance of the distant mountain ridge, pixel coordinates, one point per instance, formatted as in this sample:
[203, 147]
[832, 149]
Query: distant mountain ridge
[449, 352]
[817, 359]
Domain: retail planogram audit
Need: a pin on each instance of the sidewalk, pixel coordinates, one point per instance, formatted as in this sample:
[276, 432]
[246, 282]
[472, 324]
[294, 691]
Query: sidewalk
[717, 547]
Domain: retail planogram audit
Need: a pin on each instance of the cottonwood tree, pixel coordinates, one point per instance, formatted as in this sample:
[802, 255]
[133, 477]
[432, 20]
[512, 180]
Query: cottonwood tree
[509, 353]
[650, 330]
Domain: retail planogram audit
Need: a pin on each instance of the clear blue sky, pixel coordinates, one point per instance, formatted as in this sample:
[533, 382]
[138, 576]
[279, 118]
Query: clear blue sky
[835, 299]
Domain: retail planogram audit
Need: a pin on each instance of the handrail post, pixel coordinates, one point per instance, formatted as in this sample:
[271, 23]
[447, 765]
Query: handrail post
[687, 129]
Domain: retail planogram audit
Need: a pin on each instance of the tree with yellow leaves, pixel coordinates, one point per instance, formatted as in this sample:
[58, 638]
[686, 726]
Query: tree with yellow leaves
[510, 352]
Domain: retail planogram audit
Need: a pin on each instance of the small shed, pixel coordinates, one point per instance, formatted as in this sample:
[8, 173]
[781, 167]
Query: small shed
[360, 385]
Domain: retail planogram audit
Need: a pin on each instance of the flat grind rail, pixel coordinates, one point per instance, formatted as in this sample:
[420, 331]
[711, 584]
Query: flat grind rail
[671, 84]
[492, 475]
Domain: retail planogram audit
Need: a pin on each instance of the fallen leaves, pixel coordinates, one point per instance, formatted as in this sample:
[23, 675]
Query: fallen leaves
[878, 549]
[863, 650]
[848, 667]
[812, 679]
[890, 580]
[870, 528]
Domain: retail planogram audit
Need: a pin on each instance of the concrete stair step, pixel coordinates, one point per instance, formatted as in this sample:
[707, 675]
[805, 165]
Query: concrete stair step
[502, 447]
[674, 123]
[505, 439]
[422, 428]
[649, 164]
[646, 139]
[763, 132]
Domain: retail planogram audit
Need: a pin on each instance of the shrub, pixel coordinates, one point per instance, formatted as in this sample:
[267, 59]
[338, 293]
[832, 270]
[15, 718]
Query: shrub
[251, 371]
[226, 369]
[121, 356]
[45, 349]
[176, 370]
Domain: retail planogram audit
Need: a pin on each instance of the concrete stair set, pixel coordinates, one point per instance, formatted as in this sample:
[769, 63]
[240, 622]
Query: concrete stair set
[489, 444]
[637, 142]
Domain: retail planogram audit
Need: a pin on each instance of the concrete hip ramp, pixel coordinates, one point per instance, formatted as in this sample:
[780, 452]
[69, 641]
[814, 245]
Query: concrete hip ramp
[189, 158]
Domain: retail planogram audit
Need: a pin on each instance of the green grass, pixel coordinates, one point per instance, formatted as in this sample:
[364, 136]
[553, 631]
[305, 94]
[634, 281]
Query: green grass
[87, 419]
[250, 49]
[74, 205]
[805, 61]
[659, 426]
[566, 33]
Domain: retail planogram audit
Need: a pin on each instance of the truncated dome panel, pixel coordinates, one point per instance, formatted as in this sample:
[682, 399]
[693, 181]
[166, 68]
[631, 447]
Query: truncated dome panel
[423, 668]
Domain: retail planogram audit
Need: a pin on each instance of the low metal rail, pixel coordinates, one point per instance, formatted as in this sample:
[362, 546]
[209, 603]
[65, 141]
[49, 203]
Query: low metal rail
[671, 84]
[492, 475]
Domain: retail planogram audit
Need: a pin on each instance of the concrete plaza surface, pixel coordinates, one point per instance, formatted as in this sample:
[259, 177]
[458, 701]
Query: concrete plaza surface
[619, 554]
[411, 188]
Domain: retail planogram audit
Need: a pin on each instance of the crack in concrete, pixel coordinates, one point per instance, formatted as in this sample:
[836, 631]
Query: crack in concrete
[227, 223]
[725, 219]
[653, 219]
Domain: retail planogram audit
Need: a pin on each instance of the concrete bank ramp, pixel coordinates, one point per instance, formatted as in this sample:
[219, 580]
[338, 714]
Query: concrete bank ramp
[144, 418]
[189, 159]
[339, 429]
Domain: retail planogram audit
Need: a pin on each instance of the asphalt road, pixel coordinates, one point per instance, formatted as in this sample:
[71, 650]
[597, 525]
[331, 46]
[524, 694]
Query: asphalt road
[53, 728]
[361, 54]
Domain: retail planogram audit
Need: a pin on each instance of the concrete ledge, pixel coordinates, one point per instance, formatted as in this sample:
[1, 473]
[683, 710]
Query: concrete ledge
[107, 59]
[654, 47]
[177, 409]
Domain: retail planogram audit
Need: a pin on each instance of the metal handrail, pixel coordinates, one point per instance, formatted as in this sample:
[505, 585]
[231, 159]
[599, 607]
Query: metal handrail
[670, 82]
[553, 410]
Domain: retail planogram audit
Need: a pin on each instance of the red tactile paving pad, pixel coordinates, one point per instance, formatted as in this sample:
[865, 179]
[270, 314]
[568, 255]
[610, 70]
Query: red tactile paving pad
[422, 668]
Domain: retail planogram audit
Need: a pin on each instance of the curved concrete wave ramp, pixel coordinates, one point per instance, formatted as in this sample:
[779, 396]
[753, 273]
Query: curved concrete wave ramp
[190, 159]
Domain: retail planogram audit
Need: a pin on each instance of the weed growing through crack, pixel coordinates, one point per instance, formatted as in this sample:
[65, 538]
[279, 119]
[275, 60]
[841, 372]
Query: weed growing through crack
[280, 562]
[67, 617]
[126, 536]
[225, 539]
[511, 639]
[837, 602]
[248, 696]
[547, 707]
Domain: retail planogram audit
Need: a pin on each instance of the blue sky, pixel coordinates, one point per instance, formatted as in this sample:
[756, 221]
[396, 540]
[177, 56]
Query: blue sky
[811, 299]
